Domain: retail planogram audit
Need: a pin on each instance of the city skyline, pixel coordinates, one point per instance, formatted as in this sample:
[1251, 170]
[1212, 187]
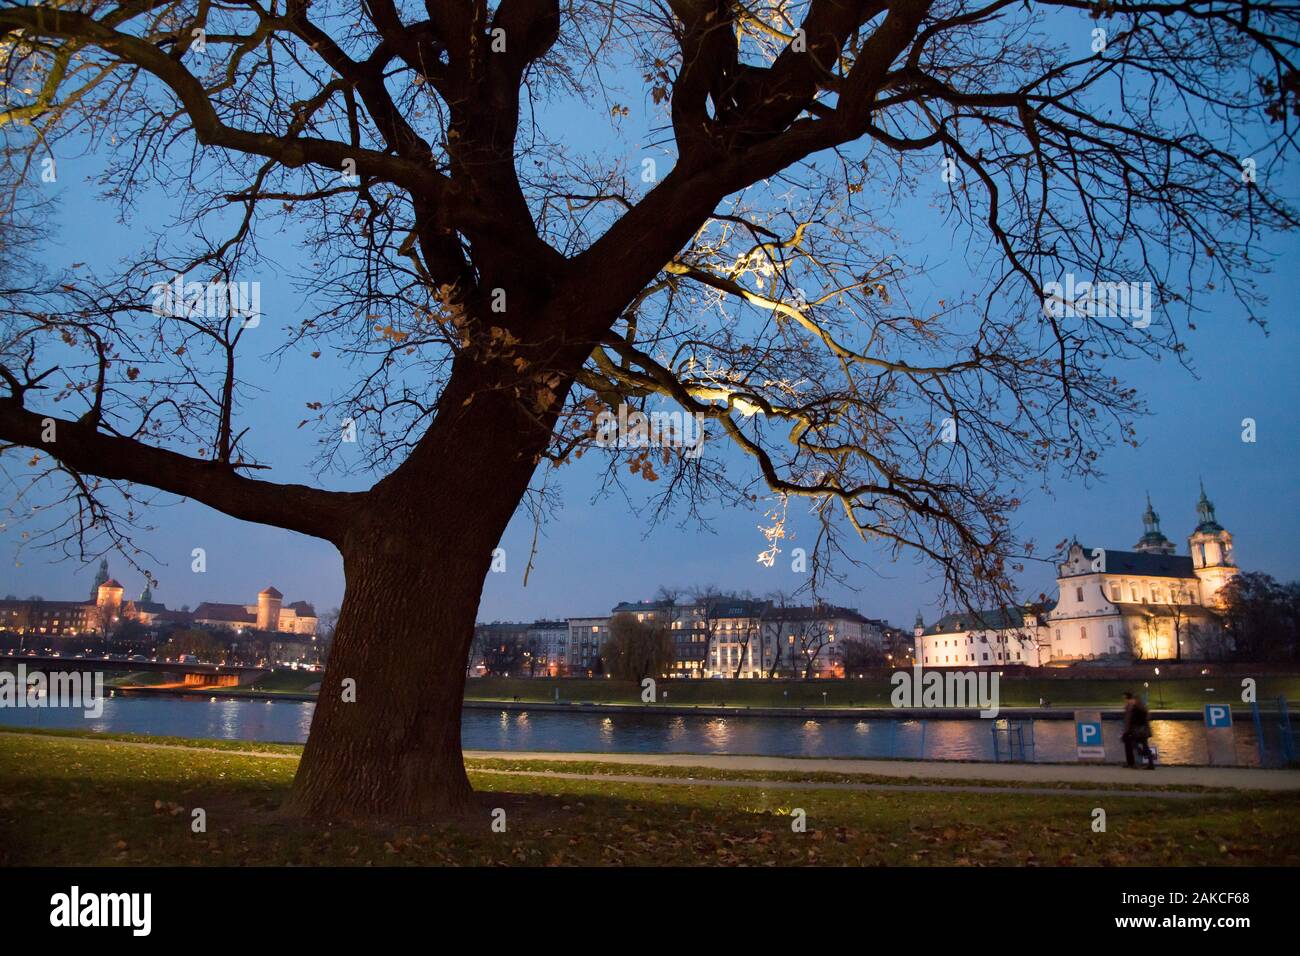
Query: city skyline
[52, 581]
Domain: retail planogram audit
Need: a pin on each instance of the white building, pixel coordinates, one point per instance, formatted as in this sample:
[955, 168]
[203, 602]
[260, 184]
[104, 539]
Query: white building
[759, 639]
[1145, 604]
[728, 636]
[1009, 636]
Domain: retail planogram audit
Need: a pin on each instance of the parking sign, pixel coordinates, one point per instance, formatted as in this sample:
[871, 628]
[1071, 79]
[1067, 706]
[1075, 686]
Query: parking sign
[1087, 735]
[1217, 715]
[1220, 737]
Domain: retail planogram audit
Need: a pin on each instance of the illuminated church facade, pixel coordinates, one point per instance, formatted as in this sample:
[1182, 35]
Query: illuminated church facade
[1147, 603]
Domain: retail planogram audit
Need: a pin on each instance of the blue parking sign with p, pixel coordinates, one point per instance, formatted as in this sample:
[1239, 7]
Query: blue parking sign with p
[1218, 715]
[1088, 733]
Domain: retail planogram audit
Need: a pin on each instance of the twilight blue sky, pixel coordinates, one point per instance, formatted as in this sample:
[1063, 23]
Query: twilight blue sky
[596, 553]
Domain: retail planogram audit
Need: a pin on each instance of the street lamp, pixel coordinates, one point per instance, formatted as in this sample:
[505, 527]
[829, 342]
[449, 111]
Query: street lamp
[1159, 691]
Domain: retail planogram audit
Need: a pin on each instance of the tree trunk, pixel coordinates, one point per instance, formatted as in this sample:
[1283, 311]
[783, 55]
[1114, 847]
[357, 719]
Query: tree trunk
[385, 737]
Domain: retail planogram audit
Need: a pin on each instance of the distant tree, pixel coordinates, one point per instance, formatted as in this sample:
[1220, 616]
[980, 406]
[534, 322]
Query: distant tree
[1209, 640]
[129, 631]
[204, 645]
[860, 655]
[899, 645]
[1262, 617]
[636, 649]
[532, 656]
[811, 637]
[503, 654]
[750, 626]
[325, 632]
[708, 599]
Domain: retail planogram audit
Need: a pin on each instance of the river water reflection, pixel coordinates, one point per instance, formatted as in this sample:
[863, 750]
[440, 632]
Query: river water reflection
[1178, 741]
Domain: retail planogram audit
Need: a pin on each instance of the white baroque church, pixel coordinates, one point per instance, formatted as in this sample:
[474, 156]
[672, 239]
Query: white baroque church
[1145, 604]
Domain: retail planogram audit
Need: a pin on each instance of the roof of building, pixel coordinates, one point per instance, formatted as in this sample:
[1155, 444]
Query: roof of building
[990, 620]
[1146, 563]
[816, 612]
[237, 613]
[111, 583]
[43, 603]
[631, 607]
[303, 609]
[270, 592]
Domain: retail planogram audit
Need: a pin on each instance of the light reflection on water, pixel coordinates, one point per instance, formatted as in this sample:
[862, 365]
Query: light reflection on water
[1179, 742]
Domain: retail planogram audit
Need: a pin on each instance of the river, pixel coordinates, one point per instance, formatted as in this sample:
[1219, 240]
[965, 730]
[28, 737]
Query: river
[1178, 741]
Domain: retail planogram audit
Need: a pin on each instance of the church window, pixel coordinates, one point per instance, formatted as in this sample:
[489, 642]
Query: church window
[1083, 633]
[1114, 592]
[1110, 630]
[1078, 595]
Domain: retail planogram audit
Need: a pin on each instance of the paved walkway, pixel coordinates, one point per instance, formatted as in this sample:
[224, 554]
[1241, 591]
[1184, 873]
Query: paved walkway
[1217, 778]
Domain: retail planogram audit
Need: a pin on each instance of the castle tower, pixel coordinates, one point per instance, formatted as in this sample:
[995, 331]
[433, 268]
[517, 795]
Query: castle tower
[109, 596]
[919, 629]
[1153, 540]
[268, 609]
[1211, 547]
[108, 605]
[100, 577]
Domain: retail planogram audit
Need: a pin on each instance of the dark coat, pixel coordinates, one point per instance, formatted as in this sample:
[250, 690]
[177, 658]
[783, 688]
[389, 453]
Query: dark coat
[1137, 720]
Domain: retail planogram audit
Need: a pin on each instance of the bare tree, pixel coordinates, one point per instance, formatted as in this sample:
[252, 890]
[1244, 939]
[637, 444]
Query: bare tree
[498, 292]
[504, 654]
[637, 649]
[811, 637]
[708, 600]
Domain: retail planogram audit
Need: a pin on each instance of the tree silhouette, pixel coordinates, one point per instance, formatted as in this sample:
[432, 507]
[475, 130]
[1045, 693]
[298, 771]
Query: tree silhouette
[497, 292]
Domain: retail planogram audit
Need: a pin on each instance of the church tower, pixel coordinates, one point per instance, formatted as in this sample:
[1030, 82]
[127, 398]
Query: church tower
[100, 579]
[1211, 547]
[1153, 540]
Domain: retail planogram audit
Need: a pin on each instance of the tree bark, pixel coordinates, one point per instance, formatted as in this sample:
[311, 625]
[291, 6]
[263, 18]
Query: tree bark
[415, 559]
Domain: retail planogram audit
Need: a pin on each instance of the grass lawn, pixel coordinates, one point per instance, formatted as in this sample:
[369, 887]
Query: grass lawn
[65, 799]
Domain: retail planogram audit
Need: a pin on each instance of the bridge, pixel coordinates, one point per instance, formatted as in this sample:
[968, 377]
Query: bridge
[193, 673]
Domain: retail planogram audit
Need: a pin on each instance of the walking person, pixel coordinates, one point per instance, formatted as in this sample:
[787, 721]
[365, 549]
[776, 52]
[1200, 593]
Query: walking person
[1137, 731]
